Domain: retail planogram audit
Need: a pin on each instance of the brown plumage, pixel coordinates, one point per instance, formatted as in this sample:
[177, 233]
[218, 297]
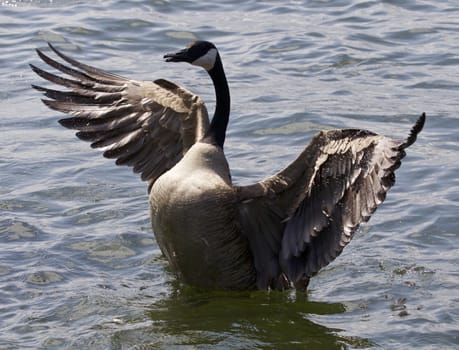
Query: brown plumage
[276, 233]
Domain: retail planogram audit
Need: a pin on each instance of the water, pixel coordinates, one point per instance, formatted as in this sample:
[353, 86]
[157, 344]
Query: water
[79, 267]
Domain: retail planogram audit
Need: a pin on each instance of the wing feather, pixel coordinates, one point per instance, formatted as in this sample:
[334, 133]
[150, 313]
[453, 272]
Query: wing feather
[146, 125]
[320, 200]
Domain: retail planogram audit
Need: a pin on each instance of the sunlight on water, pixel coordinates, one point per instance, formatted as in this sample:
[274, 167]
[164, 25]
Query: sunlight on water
[79, 267]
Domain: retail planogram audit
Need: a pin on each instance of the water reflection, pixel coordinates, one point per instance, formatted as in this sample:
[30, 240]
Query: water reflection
[237, 320]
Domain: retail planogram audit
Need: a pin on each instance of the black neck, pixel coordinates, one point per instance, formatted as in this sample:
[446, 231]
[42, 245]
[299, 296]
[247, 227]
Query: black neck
[217, 129]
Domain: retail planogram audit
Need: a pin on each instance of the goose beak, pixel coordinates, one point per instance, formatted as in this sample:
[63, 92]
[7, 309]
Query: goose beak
[180, 56]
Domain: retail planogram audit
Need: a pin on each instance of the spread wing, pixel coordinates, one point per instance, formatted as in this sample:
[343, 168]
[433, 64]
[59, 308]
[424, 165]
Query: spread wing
[148, 125]
[300, 219]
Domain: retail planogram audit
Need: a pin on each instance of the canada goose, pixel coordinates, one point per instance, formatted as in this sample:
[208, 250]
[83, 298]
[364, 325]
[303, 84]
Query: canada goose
[274, 234]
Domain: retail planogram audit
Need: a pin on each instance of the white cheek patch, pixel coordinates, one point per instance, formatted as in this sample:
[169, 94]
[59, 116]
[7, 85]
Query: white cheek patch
[207, 61]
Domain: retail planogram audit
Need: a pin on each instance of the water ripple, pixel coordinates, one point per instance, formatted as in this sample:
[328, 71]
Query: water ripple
[79, 267]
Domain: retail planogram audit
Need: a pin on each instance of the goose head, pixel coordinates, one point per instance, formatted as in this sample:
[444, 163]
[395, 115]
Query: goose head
[204, 54]
[199, 53]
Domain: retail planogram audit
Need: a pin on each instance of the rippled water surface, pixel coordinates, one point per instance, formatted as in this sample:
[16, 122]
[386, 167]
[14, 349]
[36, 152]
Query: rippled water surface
[79, 267]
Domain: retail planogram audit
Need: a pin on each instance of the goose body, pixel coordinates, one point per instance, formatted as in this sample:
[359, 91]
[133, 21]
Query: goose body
[276, 233]
[195, 220]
